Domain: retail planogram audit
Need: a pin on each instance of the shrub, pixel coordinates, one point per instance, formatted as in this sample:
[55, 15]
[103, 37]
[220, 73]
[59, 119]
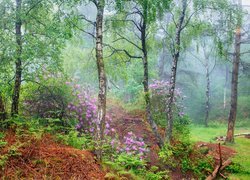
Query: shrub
[47, 97]
[159, 97]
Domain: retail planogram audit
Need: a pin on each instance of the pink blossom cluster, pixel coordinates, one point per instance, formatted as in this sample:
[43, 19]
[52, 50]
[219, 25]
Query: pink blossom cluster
[84, 109]
[160, 95]
[133, 145]
[162, 88]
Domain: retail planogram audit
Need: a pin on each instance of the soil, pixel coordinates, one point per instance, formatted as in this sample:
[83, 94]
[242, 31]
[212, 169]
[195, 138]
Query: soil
[124, 122]
[213, 150]
[43, 158]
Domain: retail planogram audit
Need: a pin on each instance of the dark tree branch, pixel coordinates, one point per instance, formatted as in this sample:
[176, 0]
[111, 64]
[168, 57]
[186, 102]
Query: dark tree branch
[86, 32]
[87, 20]
[129, 41]
[32, 7]
[115, 50]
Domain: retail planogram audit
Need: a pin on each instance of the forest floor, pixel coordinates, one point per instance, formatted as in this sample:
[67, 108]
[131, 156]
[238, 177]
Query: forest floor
[30, 156]
[134, 121]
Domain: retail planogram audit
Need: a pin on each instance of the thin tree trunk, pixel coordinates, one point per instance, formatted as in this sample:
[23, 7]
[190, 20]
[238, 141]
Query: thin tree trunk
[146, 88]
[18, 73]
[234, 88]
[162, 61]
[2, 109]
[225, 89]
[101, 113]
[176, 55]
[207, 92]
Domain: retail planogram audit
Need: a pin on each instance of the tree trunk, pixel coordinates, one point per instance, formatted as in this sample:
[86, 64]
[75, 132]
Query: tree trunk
[207, 92]
[234, 88]
[18, 73]
[146, 88]
[101, 113]
[2, 109]
[225, 89]
[162, 61]
[234, 82]
[176, 55]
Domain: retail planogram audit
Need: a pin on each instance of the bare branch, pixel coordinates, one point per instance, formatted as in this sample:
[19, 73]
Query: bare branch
[86, 32]
[115, 50]
[86, 19]
[172, 15]
[129, 41]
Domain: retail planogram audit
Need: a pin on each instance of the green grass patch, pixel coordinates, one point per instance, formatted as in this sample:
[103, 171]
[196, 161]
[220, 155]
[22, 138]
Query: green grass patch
[207, 134]
[241, 145]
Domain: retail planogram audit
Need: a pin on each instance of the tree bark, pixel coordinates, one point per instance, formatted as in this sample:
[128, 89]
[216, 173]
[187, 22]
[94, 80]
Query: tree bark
[101, 112]
[225, 89]
[2, 109]
[234, 82]
[176, 55]
[146, 87]
[162, 61]
[234, 88]
[18, 71]
[207, 91]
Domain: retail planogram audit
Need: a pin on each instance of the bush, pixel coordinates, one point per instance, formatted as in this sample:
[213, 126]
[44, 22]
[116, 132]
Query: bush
[159, 97]
[46, 98]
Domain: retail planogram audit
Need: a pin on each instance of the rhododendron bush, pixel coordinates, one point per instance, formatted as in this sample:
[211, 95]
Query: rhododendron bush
[159, 98]
[84, 109]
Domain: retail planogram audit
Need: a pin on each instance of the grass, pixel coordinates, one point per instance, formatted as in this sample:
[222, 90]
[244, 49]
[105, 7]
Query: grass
[207, 134]
[241, 145]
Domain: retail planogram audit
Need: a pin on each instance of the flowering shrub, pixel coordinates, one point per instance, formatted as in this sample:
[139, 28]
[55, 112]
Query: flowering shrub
[133, 146]
[84, 109]
[159, 97]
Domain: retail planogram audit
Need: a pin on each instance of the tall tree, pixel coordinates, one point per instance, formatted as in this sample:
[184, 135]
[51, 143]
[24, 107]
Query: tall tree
[18, 73]
[235, 76]
[101, 112]
[176, 53]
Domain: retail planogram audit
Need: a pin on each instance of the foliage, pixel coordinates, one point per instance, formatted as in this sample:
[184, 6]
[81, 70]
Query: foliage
[159, 97]
[129, 162]
[48, 97]
[43, 35]
[133, 146]
[83, 108]
[2, 142]
[183, 155]
[73, 139]
[234, 168]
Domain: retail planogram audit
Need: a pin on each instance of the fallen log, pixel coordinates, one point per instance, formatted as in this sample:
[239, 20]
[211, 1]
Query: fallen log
[242, 134]
[217, 170]
[223, 138]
